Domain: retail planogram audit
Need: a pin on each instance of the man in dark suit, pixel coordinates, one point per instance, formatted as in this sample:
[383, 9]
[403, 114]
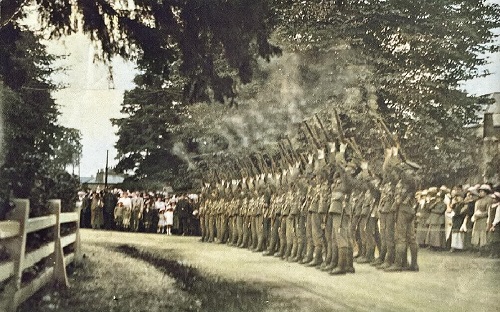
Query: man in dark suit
[184, 211]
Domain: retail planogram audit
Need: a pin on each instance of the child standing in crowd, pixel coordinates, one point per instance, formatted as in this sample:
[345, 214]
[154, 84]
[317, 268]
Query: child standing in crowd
[118, 214]
[161, 220]
[160, 208]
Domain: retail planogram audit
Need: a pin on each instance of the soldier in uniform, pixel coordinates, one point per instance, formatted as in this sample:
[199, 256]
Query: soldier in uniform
[369, 229]
[355, 204]
[240, 223]
[334, 212]
[300, 219]
[276, 206]
[291, 234]
[341, 225]
[387, 212]
[285, 211]
[318, 211]
[405, 228]
[364, 210]
[309, 245]
[201, 215]
[262, 208]
[246, 221]
[211, 215]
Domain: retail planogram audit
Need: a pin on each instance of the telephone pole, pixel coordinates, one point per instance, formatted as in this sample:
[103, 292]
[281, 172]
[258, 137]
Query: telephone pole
[106, 171]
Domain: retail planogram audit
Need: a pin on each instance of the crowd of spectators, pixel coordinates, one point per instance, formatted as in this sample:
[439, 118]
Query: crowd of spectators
[138, 211]
[465, 218]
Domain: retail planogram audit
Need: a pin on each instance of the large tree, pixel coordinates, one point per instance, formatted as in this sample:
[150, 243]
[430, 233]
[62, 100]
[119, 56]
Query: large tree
[32, 136]
[215, 41]
[395, 60]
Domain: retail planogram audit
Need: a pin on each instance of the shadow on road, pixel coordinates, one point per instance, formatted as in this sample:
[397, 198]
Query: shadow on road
[215, 294]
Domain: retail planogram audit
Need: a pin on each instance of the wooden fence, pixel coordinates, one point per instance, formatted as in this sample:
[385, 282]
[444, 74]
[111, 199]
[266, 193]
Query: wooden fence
[50, 258]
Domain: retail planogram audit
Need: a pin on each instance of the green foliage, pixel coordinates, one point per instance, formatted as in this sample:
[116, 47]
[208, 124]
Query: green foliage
[396, 60]
[33, 142]
[148, 133]
[216, 42]
[413, 57]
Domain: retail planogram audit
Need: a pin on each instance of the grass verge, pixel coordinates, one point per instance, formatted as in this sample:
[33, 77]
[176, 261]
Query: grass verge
[213, 293]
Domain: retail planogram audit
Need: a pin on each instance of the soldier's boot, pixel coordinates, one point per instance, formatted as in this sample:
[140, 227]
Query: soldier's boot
[288, 251]
[389, 258]
[377, 262]
[381, 258]
[308, 256]
[369, 256]
[281, 250]
[239, 242]
[260, 245]
[334, 260]
[397, 266]
[328, 258]
[270, 250]
[235, 239]
[255, 244]
[293, 253]
[404, 263]
[349, 260]
[341, 266]
[413, 254]
[361, 253]
[244, 243]
[317, 257]
[298, 255]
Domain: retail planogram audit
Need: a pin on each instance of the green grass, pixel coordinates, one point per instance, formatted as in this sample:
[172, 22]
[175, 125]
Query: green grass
[215, 294]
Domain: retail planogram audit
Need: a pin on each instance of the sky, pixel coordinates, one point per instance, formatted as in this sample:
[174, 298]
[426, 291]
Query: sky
[89, 101]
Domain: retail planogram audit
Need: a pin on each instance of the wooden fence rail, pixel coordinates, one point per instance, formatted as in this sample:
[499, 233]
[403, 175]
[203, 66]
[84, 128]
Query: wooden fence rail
[13, 236]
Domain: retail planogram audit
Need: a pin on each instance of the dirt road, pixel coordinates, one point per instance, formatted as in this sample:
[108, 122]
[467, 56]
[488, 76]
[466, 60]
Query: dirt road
[446, 282]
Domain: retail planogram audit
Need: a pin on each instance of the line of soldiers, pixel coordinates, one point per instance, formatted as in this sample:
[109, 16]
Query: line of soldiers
[322, 215]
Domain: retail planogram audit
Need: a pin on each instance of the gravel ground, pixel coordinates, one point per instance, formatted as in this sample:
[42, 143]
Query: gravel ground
[140, 280]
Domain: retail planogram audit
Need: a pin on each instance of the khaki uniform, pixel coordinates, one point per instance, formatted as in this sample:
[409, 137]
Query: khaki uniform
[387, 213]
[405, 233]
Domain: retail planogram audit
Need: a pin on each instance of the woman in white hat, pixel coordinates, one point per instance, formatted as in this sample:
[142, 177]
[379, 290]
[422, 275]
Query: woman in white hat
[480, 217]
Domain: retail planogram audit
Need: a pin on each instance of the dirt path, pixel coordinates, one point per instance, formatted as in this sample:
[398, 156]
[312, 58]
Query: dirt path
[446, 282]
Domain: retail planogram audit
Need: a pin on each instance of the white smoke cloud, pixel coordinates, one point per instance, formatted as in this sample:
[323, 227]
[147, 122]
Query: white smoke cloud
[296, 87]
[180, 151]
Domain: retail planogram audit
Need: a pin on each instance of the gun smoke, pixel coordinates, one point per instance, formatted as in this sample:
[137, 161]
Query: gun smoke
[291, 89]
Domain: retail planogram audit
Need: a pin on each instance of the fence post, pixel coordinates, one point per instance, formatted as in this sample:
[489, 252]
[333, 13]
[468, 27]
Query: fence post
[60, 277]
[78, 244]
[16, 246]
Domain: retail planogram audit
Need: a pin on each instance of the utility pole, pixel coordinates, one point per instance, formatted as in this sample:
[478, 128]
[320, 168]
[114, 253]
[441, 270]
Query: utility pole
[106, 171]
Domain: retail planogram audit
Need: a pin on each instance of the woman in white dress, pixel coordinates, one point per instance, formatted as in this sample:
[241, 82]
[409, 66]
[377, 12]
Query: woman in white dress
[169, 218]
